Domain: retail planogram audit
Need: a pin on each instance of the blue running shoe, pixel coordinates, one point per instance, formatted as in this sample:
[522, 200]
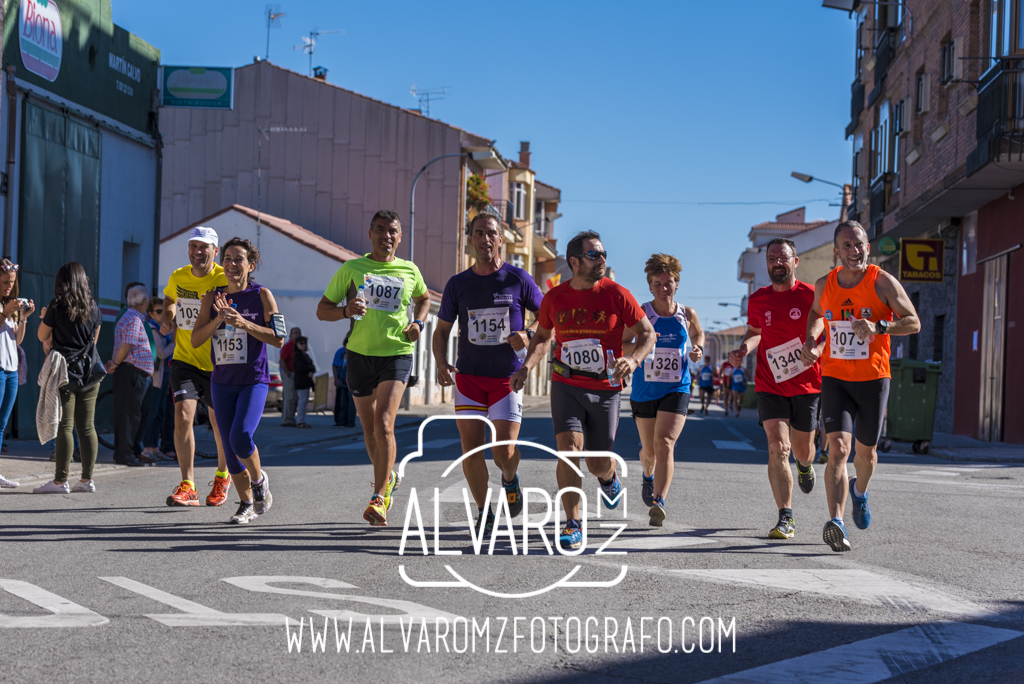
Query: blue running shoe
[861, 511]
[611, 492]
[657, 512]
[514, 496]
[834, 535]
[572, 535]
[647, 491]
[488, 525]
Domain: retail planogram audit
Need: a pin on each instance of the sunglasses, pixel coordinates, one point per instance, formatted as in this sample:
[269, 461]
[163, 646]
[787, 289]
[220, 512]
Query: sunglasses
[10, 268]
[594, 255]
[159, 311]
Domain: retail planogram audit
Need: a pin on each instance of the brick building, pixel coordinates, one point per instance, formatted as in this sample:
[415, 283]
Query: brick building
[937, 126]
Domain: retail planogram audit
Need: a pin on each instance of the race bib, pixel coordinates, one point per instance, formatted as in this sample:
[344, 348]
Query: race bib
[231, 350]
[664, 365]
[488, 327]
[187, 313]
[785, 361]
[384, 293]
[584, 355]
[844, 344]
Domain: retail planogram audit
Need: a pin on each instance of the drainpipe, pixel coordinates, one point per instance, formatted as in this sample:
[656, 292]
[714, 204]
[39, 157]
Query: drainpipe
[12, 113]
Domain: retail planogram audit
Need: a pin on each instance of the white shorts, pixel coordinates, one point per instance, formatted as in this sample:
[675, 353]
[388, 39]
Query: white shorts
[492, 397]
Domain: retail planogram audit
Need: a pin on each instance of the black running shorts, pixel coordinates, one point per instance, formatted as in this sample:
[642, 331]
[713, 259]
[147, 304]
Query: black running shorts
[801, 411]
[366, 372]
[855, 407]
[595, 413]
[190, 383]
[675, 402]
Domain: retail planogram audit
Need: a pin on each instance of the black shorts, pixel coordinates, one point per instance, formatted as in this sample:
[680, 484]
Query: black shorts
[855, 407]
[706, 390]
[595, 413]
[190, 383]
[676, 402]
[801, 411]
[366, 372]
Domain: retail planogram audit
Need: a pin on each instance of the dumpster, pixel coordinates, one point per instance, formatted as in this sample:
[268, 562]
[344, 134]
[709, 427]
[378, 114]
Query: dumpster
[910, 414]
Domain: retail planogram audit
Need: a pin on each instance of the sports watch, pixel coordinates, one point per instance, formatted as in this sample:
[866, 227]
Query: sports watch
[883, 327]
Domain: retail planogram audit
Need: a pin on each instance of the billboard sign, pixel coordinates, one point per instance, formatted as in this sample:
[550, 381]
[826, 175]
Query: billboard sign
[41, 37]
[197, 87]
[922, 260]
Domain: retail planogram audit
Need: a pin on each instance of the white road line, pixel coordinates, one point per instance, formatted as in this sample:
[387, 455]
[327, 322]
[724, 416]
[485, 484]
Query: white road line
[65, 612]
[956, 483]
[858, 585]
[735, 433]
[734, 446]
[878, 658]
[292, 451]
[193, 614]
[441, 443]
[937, 473]
[676, 540]
[348, 447]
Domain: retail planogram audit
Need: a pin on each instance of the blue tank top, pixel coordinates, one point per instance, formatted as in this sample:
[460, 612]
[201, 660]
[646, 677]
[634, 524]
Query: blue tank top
[674, 341]
[236, 368]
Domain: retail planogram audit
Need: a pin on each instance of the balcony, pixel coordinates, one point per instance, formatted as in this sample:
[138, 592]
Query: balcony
[885, 46]
[856, 103]
[1000, 126]
[543, 247]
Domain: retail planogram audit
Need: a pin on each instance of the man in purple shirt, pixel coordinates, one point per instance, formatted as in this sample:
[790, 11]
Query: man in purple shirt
[489, 301]
[132, 367]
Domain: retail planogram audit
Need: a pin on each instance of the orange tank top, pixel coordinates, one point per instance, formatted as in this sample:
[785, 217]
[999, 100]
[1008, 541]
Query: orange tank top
[846, 357]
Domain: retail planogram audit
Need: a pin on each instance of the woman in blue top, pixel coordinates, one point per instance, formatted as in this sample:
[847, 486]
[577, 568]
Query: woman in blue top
[661, 385]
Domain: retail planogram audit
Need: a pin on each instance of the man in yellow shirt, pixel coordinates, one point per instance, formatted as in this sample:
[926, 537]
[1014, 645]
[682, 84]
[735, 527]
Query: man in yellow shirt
[191, 366]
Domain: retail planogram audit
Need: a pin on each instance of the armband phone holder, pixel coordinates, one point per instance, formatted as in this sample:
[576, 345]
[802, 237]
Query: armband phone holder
[277, 323]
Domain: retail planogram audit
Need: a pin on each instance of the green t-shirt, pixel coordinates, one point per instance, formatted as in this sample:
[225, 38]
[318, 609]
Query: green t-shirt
[390, 286]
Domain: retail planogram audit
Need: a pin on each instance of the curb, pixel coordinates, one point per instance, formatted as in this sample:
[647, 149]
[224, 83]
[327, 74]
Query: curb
[964, 458]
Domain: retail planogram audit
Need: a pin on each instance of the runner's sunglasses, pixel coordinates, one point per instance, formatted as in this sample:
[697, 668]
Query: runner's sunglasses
[10, 268]
[594, 255]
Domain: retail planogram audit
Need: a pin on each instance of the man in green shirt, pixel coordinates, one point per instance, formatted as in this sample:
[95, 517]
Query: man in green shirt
[379, 351]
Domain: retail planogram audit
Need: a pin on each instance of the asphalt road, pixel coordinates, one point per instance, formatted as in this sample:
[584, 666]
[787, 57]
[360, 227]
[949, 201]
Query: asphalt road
[118, 587]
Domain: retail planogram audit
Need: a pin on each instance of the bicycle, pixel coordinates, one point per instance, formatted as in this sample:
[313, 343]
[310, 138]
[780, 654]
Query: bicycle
[206, 446]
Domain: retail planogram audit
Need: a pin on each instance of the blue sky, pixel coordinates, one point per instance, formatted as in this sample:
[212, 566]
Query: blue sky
[643, 107]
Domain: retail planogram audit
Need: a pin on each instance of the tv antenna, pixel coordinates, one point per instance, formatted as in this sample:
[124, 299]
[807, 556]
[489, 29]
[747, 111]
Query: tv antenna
[426, 95]
[308, 45]
[273, 16]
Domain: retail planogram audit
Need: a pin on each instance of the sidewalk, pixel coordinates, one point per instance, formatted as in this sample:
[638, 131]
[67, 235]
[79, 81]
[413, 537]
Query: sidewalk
[967, 449]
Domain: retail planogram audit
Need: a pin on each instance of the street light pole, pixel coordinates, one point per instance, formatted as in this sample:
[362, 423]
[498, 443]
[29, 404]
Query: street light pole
[412, 198]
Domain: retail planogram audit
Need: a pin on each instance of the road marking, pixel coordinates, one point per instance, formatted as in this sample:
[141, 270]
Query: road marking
[65, 612]
[972, 484]
[677, 540]
[194, 614]
[878, 658]
[347, 447]
[859, 585]
[441, 443]
[735, 433]
[292, 451]
[734, 446]
[938, 473]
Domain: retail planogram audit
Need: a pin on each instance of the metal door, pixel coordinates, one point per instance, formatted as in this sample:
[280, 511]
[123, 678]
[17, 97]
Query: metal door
[993, 341]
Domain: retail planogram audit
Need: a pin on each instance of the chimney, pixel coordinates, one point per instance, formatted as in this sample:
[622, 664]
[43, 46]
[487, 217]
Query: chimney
[320, 73]
[524, 154]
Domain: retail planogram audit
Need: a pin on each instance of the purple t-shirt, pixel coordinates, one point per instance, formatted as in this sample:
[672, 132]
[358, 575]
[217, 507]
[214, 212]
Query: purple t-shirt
[480, 304]
[254, 368]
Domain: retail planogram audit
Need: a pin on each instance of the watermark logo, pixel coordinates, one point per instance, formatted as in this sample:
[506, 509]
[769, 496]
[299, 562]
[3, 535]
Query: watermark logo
[543, 530]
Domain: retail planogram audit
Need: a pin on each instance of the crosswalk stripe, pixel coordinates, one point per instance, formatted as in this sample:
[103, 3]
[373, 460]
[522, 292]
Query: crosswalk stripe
[878, 658]
[732, 445]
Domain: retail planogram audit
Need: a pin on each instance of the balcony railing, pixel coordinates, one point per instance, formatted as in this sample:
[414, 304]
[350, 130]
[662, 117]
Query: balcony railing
[884, 49]
[856, 101]
[1000, 117]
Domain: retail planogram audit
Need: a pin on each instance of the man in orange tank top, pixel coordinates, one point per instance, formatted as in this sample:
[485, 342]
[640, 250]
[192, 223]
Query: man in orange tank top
[857, 301]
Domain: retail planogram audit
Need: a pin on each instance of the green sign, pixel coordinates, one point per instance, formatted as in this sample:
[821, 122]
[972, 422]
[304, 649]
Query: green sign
[197, 87]
[887, 246]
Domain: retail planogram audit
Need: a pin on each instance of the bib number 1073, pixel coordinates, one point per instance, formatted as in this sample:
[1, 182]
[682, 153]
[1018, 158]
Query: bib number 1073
[844, 343]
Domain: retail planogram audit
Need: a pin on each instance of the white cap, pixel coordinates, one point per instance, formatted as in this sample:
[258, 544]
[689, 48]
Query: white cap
[204, 234]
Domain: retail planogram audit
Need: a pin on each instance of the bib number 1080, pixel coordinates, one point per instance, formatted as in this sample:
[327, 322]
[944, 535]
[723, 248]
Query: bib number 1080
[580, 358]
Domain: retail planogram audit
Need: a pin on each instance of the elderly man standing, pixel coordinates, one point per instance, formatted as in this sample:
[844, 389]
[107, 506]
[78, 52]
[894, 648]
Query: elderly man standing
[132, 367]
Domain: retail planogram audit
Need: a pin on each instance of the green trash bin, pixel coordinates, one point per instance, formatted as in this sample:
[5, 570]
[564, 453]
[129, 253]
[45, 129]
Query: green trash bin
[910, 414]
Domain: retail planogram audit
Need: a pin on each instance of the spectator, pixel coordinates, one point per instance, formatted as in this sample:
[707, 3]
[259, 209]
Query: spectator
[304, 372]
[14, 313]
[344, 407]
[132, 367]
[154, 404]
[70, 327]
[288, 380]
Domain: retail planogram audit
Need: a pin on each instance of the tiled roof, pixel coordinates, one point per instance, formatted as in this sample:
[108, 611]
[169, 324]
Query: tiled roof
[792, 227]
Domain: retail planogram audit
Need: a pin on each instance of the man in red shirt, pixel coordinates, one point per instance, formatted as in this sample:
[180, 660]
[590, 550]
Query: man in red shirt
[726, 375]
[290, 395]
[587, 316]
[787, 390]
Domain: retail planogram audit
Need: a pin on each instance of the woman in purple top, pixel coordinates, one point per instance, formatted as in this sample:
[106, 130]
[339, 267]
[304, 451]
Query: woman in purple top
[237, 318]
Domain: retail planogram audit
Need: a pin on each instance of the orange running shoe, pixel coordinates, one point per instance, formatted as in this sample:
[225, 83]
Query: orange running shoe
[376, 513]
[184, 495]
[219, 494]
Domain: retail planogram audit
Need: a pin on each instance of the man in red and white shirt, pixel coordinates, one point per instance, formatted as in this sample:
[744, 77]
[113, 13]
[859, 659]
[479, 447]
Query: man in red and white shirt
[787, 390]
[132, 367]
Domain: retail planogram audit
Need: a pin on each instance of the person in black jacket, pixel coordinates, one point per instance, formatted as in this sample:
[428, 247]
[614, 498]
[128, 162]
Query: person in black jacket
[304, 372]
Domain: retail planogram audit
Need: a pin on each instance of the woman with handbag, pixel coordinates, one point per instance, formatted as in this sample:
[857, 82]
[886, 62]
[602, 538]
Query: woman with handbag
[14, 313]
[71, 326]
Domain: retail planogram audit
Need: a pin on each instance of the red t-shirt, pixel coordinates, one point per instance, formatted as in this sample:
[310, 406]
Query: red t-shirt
[726, 374]
[600, 313]
[782, 316]
[286, 355]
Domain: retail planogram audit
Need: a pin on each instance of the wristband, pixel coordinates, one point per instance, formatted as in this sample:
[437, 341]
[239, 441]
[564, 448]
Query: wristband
[419, 323]
[530, 334]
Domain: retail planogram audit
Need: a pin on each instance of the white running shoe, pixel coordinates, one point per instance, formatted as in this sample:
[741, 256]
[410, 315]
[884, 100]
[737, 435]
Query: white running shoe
[52, 487]
[261, 495]
[8, 484]
[245, 514]
[88, 487]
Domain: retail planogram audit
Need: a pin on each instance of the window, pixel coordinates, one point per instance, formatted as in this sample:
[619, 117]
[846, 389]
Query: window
[993, 32]
[517, 260]
[938, 337]
[858, 165]
[897, 132]
[949, 61]
[969, 262]
[915, 300]
[1005, 20]
[519, 201]
[922, 93]
[881, 150]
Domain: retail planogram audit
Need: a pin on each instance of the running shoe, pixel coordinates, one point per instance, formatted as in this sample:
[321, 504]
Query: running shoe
[611, 492]
[87, 487]
[262, 496]
[377, 512]
[861, 511]
[514, 496]
[784, 530]
[389, 490]
[184, 495]
[219, 494]
[52, 487]
[834, 535]
[246, 513]
[647, 491]
[822, 456]
[805, 478]
[8, 484]
[488, 526]
[657, 512]
[572, 535]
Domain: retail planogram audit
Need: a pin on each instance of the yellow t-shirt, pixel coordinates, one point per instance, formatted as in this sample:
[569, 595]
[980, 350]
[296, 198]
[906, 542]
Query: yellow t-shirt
[187, 291]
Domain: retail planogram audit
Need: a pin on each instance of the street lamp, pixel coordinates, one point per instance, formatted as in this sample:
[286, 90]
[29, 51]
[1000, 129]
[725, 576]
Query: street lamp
[488, 159]
[807, 179]
[728, 304]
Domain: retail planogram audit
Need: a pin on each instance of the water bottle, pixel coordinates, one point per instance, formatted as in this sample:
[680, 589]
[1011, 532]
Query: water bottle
[610, 367]
[521, 354]
[361, 295]
[229, 330]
